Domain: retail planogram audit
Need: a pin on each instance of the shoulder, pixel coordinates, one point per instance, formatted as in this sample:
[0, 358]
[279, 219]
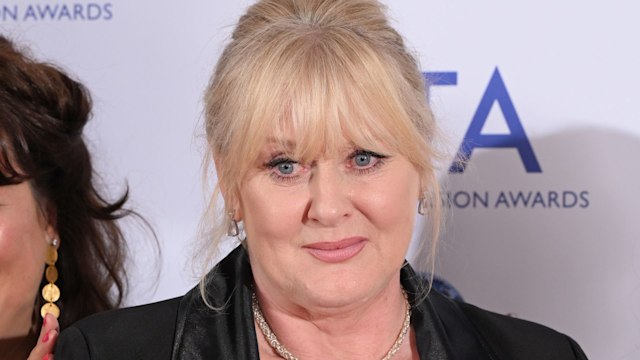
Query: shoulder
[141, 332]
[509, 337]
[469, 332]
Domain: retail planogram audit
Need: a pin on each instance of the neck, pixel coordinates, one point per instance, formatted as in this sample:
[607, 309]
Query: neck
[15, 324]
[367, 330]
[17, 348]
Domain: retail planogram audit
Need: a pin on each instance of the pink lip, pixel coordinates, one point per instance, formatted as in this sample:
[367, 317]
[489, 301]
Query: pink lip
[337, 251]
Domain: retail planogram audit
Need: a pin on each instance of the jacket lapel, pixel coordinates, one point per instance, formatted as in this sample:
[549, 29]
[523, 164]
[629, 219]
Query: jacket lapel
[204, 333]
[458, 336]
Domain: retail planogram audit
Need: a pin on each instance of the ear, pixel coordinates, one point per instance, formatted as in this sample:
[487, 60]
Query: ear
[52, 233]
[48, 219]
[422, 186]
[238, 208]
[232, 201]
[428, 180]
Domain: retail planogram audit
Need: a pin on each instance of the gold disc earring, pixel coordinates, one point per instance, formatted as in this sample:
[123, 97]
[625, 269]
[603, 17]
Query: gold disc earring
[51, 292]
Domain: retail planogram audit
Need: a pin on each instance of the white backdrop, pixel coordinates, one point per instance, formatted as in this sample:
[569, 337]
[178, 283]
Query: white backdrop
[558, 246]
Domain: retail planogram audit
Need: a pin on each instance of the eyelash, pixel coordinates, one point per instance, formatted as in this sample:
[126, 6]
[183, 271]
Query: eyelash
[271, 165]
[378, 159]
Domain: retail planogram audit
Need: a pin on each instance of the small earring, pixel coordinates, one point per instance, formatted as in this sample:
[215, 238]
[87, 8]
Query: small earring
[422, 204]
[51, 292]
[233, 229]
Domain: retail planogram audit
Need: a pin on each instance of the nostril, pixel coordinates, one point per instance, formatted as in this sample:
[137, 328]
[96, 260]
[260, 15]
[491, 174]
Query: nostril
[328, 211]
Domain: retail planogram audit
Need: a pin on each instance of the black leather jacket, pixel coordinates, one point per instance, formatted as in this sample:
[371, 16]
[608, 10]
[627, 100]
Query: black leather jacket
[185, 328]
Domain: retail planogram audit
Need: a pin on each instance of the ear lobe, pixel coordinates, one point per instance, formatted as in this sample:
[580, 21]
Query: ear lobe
[238, 209]
[426, 184]
[421, 189]
[234, 201]
[52, 233]
[234, 205]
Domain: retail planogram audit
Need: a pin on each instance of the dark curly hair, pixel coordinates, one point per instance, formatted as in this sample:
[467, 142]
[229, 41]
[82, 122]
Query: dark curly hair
[42, 114]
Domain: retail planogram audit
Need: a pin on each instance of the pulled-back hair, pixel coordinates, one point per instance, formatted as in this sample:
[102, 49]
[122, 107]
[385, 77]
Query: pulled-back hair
[42, 114]
[324, 70]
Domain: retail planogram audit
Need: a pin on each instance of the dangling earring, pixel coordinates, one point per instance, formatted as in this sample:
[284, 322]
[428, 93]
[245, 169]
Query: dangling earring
[51, 292]
[422, 204]
[233, 229]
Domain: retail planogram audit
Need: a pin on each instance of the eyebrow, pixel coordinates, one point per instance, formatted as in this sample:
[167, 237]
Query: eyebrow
[286, 142]
[285, 145]
[291, 144]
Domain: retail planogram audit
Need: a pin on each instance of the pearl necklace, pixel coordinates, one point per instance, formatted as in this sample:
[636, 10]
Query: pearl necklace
[287, 355]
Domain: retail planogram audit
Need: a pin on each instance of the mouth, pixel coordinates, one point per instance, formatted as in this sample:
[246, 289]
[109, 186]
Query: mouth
[336, 251]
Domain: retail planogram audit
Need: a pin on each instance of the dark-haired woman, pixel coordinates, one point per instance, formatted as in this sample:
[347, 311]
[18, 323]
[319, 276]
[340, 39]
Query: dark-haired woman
[61, 250]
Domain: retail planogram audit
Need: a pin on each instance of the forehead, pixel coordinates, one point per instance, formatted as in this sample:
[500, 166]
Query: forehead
[325, 133]
[313, 99]
[323, 91]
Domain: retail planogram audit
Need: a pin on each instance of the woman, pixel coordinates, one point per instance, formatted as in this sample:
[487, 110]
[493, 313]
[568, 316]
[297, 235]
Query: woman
[323, 144]
[61, 250]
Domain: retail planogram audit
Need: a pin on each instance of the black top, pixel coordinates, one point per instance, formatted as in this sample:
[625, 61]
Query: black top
[185, 328]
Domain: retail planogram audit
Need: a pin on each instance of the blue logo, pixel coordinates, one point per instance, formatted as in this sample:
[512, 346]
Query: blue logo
[496, 92]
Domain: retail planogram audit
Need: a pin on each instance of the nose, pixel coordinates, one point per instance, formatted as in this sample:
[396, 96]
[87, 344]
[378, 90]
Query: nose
[329, 200]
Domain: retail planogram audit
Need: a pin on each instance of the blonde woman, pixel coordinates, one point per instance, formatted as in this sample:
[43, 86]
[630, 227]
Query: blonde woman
[323, 143]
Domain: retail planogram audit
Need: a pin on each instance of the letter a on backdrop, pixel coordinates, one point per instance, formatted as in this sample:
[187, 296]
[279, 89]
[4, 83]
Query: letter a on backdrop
[496, 92]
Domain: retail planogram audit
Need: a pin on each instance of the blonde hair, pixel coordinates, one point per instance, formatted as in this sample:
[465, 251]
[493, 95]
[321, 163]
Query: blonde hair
[324, 70]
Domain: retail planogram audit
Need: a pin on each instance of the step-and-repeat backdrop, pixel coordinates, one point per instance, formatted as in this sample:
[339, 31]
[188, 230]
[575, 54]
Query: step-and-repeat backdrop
[542, 222]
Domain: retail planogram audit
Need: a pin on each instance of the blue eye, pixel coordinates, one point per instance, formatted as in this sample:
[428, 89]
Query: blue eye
[362, 159]
[286, 168]
[365, 161]
[282, 166]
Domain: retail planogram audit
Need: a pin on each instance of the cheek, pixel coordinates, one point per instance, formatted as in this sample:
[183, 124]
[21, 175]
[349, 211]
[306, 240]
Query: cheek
[18, 243]
[23, 245]
[22, 253]
[271, 215]
[391, 203]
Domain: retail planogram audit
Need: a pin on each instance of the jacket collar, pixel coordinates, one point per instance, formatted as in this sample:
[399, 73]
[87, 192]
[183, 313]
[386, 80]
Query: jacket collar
[457, 335]
[204, 333]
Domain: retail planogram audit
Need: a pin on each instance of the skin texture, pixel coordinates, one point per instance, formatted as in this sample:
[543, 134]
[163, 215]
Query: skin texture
[346, 194]
[24, 237]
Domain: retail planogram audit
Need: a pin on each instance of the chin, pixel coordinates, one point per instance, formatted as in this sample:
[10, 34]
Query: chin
[336, 300]
[340, 290]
